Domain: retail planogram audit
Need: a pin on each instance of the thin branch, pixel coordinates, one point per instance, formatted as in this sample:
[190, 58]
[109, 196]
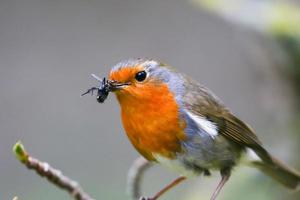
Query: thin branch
[53, 175]
[135, 175]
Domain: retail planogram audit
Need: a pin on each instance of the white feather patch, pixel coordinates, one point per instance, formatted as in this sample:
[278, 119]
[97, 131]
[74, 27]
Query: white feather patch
[174, 165]
[251, 155]
[204, 124]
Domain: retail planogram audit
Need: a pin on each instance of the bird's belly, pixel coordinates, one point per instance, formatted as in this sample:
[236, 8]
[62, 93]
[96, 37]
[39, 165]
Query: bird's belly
[209, 153]
[177, 166]
[202, 157]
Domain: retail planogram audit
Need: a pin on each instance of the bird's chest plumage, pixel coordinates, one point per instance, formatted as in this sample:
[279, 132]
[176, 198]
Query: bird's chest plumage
[152, 123]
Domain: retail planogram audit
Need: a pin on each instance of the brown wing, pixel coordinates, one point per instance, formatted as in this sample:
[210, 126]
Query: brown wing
[233, 128]
[200, 101]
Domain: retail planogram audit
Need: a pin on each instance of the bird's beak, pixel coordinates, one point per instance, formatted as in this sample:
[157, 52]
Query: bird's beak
[115, 85]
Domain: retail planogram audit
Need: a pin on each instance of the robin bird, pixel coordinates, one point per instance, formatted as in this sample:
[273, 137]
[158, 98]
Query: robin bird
[172, 120]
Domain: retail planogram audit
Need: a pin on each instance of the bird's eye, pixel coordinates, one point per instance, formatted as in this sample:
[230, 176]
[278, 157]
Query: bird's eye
[140, 76]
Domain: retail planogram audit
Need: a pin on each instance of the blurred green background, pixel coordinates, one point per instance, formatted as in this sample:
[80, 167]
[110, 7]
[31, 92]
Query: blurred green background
[49, 48]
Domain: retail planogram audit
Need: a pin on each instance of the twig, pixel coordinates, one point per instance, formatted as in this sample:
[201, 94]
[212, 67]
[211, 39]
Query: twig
[53, 175]
[135, 175]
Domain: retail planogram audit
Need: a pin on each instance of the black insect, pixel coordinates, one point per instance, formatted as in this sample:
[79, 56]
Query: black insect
[102, 91]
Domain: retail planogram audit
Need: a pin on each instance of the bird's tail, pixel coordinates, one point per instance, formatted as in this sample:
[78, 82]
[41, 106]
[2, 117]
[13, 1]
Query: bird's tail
[277, 170]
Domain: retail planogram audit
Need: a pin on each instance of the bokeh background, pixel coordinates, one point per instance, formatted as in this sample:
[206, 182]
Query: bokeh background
[245, 51]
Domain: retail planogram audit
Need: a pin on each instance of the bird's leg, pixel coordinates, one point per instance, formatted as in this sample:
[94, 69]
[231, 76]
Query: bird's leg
[135, 175]
[165, 189]
[225, 174]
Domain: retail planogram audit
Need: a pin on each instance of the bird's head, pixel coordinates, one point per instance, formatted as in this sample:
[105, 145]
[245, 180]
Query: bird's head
[141, 79]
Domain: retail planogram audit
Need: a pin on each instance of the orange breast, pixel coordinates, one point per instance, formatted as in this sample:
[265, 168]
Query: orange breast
[151, 120]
